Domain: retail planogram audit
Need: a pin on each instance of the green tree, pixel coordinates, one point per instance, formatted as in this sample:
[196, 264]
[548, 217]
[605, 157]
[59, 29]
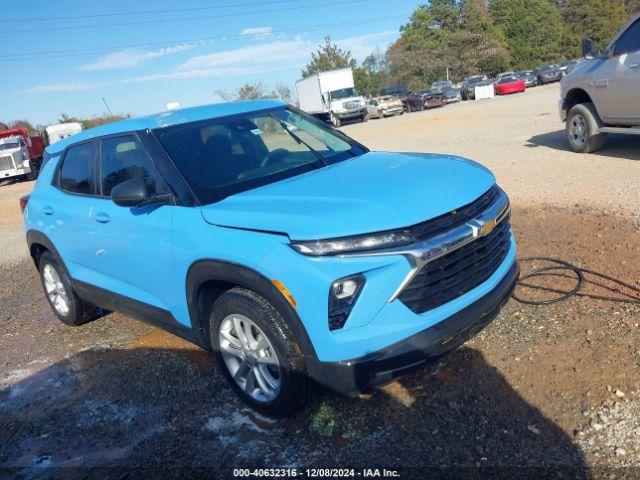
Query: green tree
[596, 19]
[446, 36]
[532, 31]
[328, 57]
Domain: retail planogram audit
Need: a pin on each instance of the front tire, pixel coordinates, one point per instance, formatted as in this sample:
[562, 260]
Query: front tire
[257, 353]
[335, 121]
[365, 118]
[583, 123]
[64, 302]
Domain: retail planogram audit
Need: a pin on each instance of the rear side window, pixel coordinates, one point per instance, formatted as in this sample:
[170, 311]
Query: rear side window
[76, 174]
[629, 41]
[123, 159]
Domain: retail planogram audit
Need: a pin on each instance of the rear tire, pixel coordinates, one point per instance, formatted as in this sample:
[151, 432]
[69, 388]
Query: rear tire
[365, 118]
[265, 337]
[64, 302]
[583, 123]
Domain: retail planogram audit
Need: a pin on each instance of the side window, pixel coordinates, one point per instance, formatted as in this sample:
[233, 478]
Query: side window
[629, 41]
[124, 159]
[76, 174]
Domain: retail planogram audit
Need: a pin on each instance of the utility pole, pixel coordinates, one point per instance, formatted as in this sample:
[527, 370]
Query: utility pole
[109, 110]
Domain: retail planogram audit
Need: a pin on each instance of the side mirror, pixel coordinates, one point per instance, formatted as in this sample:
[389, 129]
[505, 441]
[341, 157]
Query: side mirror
[587, 48]
[130, 193]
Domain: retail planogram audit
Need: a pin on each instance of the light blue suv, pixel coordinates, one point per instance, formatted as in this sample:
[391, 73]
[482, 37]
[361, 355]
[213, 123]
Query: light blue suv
[274, 241]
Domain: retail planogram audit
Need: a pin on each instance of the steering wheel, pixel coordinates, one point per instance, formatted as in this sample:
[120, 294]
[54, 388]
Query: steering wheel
[277, 155]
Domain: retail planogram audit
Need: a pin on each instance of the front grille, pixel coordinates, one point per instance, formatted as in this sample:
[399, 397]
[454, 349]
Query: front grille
[351, 105]
[458, 272]
[456, 217]
[6, 163]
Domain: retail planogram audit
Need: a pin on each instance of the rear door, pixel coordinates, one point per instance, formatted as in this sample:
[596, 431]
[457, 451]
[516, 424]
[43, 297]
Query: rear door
[617, 80]
[132, 246]
[64, 210]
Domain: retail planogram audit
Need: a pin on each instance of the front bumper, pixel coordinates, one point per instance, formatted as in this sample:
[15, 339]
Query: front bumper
[350, 114]
[362, 375]
[562, 111]
[14, 172]
[392, 110]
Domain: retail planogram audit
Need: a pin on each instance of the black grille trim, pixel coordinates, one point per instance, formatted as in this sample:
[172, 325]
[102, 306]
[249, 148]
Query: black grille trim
[448, 220]
[458, 272]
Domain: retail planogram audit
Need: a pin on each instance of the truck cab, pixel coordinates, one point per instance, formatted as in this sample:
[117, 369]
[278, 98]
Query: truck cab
[14, 158]
[601, 95]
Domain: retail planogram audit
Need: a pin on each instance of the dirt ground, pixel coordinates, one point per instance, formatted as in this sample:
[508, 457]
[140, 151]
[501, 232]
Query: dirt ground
[542, 389]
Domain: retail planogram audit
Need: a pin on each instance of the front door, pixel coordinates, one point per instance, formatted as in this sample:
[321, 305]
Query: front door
[133, 254]
[617, 80]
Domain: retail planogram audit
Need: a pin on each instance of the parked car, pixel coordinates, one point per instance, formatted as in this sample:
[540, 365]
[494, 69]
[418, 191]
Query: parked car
[441, 85]
[529, 78]
[277, 243]
[386, 106]
[396, 91]
[548, 74]
[508, 85]
[421, 99]
[468, 86]
[602, 93]
[451, 95]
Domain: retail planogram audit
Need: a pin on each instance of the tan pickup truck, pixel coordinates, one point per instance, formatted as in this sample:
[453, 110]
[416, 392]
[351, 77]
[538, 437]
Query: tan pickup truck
[602, 93]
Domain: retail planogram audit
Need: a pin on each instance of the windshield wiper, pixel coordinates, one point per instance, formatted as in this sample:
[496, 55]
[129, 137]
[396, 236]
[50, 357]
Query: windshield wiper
[299, 140]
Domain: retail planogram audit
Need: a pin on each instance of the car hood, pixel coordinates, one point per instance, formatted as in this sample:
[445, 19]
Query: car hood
[372, 192]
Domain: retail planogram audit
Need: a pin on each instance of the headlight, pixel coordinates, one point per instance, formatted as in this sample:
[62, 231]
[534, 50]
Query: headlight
[338, 246]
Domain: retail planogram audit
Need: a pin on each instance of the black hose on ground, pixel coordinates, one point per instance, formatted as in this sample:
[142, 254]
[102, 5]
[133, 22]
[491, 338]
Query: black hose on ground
[561, 268]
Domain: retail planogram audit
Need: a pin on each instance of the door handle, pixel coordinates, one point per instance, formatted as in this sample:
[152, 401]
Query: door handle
[101, 217]
[47, 210]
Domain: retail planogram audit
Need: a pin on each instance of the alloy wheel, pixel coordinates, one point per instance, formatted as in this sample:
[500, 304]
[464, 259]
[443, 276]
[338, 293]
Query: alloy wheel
[578, 129]
[250, 357]
[55, 290]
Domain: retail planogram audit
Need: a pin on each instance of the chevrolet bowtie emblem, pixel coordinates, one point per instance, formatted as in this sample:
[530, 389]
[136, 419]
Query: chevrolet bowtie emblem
[488, 227]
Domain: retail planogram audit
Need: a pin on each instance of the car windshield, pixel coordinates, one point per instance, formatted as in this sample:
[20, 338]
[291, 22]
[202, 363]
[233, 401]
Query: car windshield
[227, 155]
[475, 80]
[523, 73]
[508, 79]
[343, 93]
[547, 68]
[9, 145]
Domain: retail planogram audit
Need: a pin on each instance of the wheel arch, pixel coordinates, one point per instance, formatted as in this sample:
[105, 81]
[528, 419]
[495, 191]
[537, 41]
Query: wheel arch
[38, 243]
[576, 96]
[208, 279]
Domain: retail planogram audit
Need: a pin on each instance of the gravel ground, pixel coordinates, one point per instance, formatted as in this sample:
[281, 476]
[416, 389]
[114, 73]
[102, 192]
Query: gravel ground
[541, 390]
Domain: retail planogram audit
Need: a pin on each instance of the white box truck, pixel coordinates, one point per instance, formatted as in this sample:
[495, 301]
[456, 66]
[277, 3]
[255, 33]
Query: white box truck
[55, 133]
[332, 97]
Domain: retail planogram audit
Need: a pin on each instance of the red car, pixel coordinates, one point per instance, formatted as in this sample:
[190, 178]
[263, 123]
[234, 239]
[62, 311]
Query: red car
[510, 84]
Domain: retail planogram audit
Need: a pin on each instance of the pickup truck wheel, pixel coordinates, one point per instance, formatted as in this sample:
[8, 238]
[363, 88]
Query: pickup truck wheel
[583, 123]
[67, 306]
[335, 121]
[257, 353]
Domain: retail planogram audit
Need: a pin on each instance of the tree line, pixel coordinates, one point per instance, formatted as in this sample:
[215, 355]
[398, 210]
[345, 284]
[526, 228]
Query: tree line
[467, 37]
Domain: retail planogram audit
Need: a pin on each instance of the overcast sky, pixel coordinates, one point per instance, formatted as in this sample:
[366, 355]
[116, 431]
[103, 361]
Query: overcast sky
[67, 55]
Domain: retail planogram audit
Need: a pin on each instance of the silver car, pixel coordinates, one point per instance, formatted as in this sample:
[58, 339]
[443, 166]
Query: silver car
[602, 93]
